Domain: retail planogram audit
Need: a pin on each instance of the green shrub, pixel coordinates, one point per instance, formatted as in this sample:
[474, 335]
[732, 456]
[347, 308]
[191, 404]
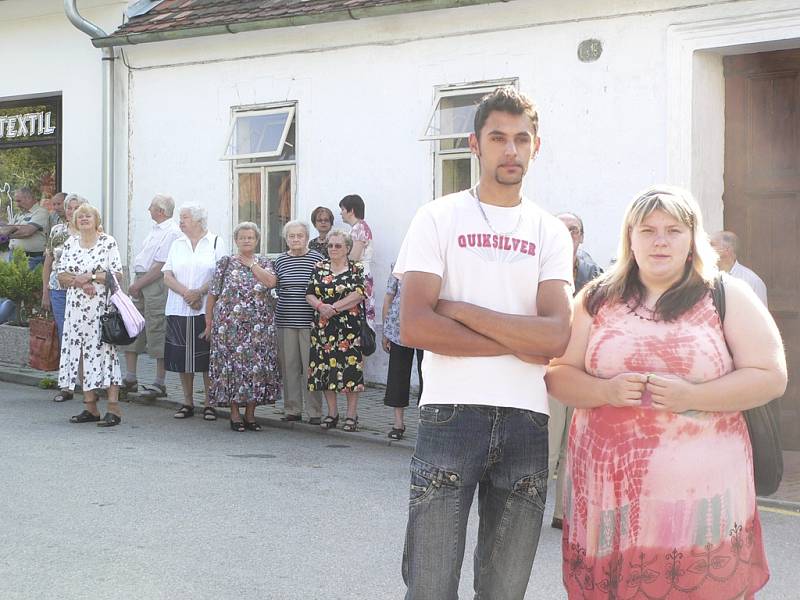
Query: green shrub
[21, 285]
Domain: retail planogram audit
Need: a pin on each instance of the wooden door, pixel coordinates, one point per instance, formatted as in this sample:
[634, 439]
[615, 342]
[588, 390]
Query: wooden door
[762, 193]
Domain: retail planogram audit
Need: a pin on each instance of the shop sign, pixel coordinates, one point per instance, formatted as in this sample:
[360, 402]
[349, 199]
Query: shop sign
[27, 125]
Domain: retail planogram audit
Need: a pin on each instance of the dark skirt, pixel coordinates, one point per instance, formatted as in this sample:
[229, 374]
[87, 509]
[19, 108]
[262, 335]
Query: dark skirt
[184, 350]
[398, 382]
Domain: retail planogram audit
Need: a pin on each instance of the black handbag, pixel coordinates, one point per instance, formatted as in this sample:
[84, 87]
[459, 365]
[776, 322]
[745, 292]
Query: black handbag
[762, 425]
[368, 345]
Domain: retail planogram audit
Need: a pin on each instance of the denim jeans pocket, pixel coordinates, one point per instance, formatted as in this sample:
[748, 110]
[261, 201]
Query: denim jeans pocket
[427, 478]
[538, 419]
[437, 414]
[533, 488]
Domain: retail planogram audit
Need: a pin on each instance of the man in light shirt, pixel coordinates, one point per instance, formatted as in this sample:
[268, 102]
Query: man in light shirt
[726, 243]
[28, 230]
[149, 294]
[487, 289]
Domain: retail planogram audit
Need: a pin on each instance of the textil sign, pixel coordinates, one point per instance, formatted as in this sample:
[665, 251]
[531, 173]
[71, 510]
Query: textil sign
[27, 125]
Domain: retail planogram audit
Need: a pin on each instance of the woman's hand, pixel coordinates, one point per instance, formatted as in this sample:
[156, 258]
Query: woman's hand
[82, 279]
[88, 289]
[670, 393]
[45, 299]
[385, 343]
[193, 298]
[206, 335]
[326, 311]
[625, 389]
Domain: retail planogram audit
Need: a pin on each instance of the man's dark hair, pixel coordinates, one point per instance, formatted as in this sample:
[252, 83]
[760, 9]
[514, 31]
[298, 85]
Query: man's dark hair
[25, 191]
[354, 203]
[506, 99]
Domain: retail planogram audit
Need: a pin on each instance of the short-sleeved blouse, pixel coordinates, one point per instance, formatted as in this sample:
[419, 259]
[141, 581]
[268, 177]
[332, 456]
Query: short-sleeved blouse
[192, 267]
[361, 232]
[54, 246]
[391, 324]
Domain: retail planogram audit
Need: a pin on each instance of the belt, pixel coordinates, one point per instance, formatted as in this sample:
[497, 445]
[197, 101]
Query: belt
[34, 254]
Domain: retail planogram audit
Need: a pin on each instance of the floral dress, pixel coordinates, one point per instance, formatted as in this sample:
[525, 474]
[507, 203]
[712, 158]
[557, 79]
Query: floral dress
[660, 505]
[335, 361]
[82, 318]
[54, 246]
[244, 348]
[361, 232]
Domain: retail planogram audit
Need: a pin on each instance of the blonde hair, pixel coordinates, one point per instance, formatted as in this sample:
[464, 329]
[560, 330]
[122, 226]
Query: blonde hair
[87, 208]
[622, 283]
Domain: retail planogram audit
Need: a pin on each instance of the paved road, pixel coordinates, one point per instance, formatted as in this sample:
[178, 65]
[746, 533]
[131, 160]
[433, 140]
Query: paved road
[158, 508]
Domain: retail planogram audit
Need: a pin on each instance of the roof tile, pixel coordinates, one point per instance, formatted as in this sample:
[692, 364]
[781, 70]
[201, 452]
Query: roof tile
[188, 14]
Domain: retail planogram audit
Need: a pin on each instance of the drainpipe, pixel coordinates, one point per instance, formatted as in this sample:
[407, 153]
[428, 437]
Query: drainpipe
[108, 56]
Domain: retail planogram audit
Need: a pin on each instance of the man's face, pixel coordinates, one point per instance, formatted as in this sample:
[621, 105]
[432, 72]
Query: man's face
[725, 253]
[575, 231]
[505, 147]
[155, 212]
[57, 202]
[24, 200]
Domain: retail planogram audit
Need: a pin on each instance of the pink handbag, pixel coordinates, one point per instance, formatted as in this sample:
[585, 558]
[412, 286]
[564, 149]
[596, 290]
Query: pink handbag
[131, 317]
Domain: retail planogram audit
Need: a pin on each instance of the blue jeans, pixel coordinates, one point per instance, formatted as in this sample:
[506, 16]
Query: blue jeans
[502, 452]
[35, 261]
[58, 302]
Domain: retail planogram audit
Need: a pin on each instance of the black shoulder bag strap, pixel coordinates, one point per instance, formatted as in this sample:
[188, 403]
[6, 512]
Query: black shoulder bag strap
[718, 297]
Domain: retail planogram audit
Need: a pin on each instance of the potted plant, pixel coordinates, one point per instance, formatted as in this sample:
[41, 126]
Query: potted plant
[23, 287]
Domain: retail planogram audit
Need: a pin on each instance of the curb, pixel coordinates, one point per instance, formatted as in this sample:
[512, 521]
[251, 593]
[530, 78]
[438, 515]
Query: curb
[11, 375]
[780, 504]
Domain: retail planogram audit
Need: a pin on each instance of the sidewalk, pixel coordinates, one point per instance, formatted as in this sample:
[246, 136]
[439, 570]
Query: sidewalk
[374, 419]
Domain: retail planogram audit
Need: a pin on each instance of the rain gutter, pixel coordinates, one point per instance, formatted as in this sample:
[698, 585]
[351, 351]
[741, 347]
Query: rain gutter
[126, 39]
[108, 57]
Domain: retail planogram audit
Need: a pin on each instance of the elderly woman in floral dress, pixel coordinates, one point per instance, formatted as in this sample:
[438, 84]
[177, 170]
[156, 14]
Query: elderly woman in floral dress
[240, 314]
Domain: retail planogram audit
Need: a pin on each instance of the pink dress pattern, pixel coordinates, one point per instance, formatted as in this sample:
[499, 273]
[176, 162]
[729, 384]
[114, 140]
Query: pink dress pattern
[362, 233]
[660, 505]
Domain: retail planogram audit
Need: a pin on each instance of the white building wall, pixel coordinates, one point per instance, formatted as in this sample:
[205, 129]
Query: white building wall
[41, 52]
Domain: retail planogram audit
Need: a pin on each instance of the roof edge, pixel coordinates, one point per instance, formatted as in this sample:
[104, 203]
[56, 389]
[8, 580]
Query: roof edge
[130, 39]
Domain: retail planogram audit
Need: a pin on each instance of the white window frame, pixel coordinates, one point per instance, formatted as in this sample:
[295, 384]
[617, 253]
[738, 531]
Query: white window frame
[242, 112]
[440, 155]
[460, 89]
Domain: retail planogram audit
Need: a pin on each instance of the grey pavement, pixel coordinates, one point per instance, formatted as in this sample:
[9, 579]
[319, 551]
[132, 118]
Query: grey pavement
[158, 508]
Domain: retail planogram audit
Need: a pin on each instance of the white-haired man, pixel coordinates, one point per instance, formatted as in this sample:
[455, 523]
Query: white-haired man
[150, 296]
[726, 243]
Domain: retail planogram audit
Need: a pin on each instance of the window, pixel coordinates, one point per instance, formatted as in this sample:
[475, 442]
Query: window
[30, 146]
[449, 126]
[261, 147]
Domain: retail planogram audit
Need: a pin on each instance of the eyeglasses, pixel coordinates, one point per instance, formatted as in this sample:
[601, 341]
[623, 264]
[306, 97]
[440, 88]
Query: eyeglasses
[575, 230]
[336, 246]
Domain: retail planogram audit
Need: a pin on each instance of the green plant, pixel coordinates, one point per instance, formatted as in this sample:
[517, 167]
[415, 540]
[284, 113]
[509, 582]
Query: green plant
[48, 383]
[21, 285]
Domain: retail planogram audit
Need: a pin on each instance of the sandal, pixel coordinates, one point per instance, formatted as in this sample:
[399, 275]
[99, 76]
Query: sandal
[330, 422]
[238, 426]
[152, 391]
[63, 396]
[129, 386]
[209, 414]
[397, 433]
[252, 425]
[184, 412]
[84, 417]
[350, 424]
[109, 420]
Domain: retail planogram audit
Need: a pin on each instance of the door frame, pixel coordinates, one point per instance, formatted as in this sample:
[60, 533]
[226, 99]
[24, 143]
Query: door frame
[696, 91]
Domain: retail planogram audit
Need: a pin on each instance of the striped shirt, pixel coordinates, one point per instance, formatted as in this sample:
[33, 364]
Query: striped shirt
[294, 273]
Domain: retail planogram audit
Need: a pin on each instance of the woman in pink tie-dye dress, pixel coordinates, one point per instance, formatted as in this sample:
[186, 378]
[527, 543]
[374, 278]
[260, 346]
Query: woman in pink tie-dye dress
[659, 497]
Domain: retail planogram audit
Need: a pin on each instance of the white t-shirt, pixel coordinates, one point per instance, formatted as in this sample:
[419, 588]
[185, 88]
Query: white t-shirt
[192, 268]
[450, 238]
[739, 271]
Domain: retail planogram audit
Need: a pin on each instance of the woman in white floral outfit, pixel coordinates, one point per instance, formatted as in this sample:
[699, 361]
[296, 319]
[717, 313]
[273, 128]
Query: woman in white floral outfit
[85, 264]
